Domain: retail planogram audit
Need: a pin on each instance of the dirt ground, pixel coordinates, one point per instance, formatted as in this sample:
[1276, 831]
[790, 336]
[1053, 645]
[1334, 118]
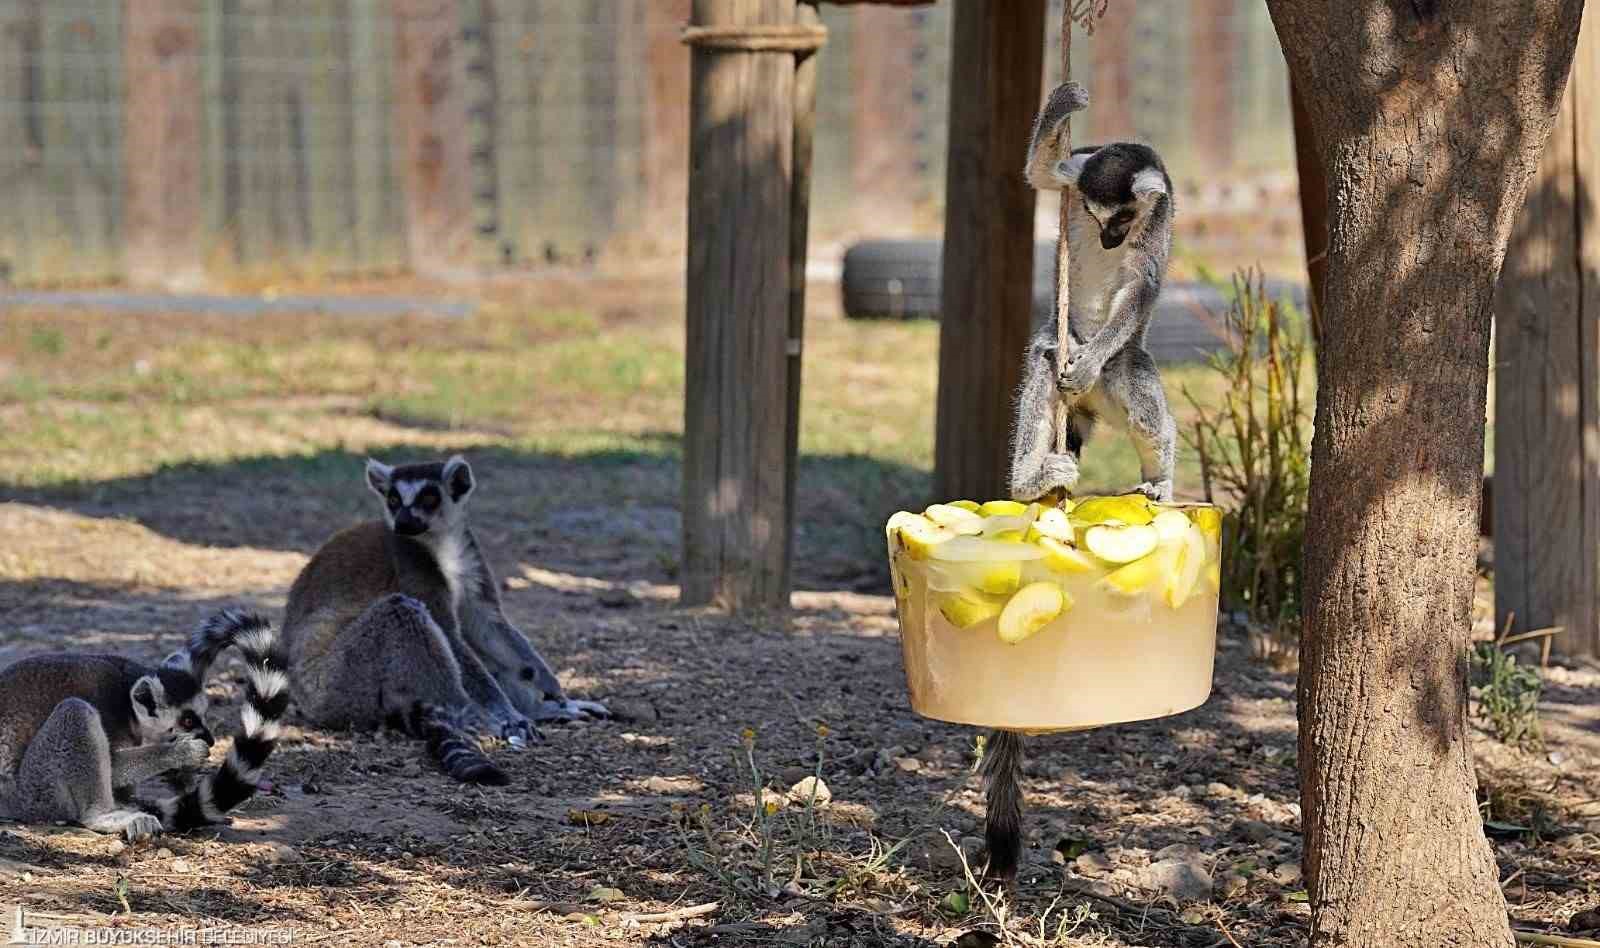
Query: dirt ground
[361, 841]
[645, 829]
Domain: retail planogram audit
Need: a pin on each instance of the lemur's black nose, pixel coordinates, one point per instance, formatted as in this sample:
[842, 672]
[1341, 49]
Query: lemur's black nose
[1110, 241]
[409, 525]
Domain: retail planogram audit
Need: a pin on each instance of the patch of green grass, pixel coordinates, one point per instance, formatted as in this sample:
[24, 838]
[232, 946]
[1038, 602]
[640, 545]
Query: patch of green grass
[139, 393]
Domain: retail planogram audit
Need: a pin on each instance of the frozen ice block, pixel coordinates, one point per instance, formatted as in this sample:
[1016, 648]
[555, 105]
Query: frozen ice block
[1131, 635]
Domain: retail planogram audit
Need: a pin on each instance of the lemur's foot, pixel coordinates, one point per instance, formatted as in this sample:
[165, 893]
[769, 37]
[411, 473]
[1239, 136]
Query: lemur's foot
[567, 709]
[1059, 472]
[1158, 491]
[135, 825]
[519, 732]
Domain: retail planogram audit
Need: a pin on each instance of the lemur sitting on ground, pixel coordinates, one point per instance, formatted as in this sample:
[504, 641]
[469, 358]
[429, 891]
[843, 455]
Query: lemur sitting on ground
[398, 621]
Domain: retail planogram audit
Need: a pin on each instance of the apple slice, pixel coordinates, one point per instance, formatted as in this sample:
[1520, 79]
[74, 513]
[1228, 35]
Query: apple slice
[975, 549]
[1002, 508]
[1136, 577]
[1121, 544]
[919, 534]
[1171, 525]
[1030, 610]
[1053, 523]
[967, 609]
[998, 579]
[956, 519]
[1065, 559]
[1209, 520]
[971, 505]
[1131, 509]
[1188, 560]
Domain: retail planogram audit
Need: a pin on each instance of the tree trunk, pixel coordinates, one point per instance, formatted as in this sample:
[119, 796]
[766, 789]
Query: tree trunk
[1430, 119]
[1313, 207]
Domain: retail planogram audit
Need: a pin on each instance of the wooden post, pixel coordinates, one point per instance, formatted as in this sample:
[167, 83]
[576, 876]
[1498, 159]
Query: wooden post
[736, 485]
[805, 123]
[161, 148]
[1547, 382]
[432, 117]
[997, 60]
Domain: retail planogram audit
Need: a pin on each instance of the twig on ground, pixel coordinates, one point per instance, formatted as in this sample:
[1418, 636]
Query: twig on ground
[1558, 941]
[688, 911]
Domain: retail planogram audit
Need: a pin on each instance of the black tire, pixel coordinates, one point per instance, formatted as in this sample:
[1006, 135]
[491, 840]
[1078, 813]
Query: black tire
[899, 279]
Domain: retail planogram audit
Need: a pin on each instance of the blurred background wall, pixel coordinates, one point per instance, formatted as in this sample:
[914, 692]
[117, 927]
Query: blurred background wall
[180, 142]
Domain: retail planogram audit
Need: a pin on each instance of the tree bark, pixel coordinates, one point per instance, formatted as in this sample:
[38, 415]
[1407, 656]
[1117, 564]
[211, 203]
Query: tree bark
[1430, 119]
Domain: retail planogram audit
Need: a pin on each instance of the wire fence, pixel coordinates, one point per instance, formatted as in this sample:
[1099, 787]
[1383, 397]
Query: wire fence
[179, 140]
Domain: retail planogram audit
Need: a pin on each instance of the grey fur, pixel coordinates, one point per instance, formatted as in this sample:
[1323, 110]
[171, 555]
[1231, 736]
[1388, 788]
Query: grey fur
[78, 733]
[405, 612]
[1002, 775]
[1121, 238]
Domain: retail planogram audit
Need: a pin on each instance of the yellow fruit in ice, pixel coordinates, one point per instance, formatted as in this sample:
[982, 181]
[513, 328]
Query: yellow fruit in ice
[983, 549]
[996, 578]
[1136, 577]
[1171, 525]
[1065, 559]
[967, 608]
[1214, 575]
[1131, 509]
[919, 534]
[1188, 560]
[1010, 536]
[971, 505]
[1003, 508]
[956, 519]
[1030, 610]
[1121, 544]
[1054, 524]
[1209, 520]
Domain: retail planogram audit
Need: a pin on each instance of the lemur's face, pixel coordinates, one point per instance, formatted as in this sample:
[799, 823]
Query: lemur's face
[1119, 185]
[170, 704]
[418, 498]
[1114, 222]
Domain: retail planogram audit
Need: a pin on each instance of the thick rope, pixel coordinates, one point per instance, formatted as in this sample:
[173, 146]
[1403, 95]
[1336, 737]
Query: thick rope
[1063, 256]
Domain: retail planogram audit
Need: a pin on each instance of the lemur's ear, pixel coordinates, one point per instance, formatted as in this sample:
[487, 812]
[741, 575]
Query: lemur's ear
[1148, 185]
[1069, 169]
[180, 661]
[378, 475]
[458, 478]
[147, 693]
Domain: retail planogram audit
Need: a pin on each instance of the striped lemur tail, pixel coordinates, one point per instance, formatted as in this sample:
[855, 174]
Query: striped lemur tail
[452, 747]
[1002, 830]
[266, 701]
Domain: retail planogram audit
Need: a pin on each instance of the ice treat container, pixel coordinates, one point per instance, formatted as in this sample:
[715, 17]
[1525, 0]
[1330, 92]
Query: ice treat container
[1038, 618]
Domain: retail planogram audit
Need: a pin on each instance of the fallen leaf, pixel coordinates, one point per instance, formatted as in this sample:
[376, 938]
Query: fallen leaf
[605, 895]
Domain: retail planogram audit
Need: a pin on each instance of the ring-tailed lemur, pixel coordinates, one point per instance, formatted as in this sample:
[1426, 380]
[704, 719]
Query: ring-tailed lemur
[1126, 199]
[1126, 202]
[398, 621]
[79, 732]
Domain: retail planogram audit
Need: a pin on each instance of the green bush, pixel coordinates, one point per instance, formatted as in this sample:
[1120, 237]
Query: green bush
[1254, 448]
